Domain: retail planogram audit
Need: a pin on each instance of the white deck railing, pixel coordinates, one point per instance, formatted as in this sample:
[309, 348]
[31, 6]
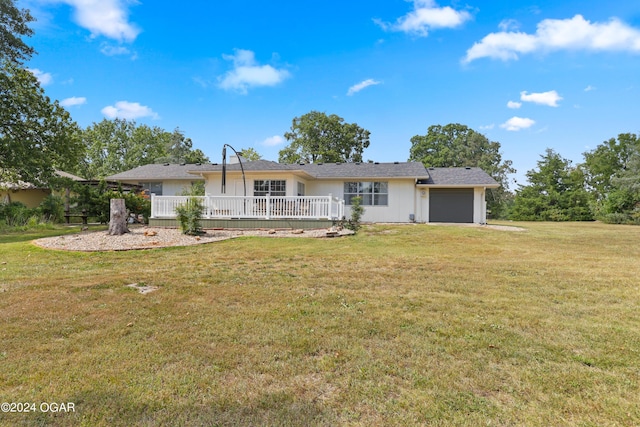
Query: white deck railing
[266, 207]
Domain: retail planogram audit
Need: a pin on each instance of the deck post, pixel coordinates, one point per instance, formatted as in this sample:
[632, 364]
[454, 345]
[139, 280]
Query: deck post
[268, 211]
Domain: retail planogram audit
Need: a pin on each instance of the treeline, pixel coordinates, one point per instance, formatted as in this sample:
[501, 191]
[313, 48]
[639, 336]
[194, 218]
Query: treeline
[113, 146]
[605, 186]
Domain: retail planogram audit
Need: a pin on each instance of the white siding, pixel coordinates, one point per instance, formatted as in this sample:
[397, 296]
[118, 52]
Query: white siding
[401, 202]
[175, 187]
[235, 186]
[479, 206]
[170, 187]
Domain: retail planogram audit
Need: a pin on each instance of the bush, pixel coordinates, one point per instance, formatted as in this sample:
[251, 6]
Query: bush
[357, 211]
[189, 215]
[615, 218]
[17, 216]
[96, 202]
[52, 208]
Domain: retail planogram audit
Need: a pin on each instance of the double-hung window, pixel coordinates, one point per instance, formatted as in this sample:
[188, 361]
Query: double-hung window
[374, 193]
[272, 187]
[153, 187]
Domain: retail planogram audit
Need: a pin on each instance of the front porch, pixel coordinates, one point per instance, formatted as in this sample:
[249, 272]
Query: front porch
[253, 211]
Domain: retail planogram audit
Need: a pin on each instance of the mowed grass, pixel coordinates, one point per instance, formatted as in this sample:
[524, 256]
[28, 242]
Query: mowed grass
[399, 325]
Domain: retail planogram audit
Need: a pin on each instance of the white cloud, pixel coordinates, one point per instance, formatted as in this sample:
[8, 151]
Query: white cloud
[509, 25]
[128, 110]
[514, 105]
[517, 123]
[358, 87]
[247, 73]
[558, 34]
[74, 100]
[109, 18]
[487, 127]
[274, 140]
[426, 16]
[589, 88]
[110, 50]
[43, 78]
[549, 98]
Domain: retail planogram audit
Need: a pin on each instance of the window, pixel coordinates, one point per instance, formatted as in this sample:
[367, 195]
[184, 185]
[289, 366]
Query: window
[301, 189]
[273, 187]
[372, 193]
[153, 187]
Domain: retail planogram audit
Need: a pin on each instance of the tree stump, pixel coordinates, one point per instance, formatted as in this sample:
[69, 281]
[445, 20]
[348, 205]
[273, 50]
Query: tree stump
[118, 218]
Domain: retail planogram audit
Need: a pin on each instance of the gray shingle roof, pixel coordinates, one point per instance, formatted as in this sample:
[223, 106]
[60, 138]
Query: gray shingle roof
[158, 171]
[21, 185]
[458, 177]
[256, 165]
[364, 170]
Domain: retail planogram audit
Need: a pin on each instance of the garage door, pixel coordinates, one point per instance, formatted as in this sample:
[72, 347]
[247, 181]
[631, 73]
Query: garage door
[451, 205]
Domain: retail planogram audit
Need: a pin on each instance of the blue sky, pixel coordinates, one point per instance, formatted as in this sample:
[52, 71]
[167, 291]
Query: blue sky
[528, 74]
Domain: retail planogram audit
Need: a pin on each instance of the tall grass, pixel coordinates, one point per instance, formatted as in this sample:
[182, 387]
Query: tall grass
[398, 325]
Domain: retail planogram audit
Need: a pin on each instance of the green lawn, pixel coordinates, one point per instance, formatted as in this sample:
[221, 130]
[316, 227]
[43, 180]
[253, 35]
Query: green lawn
[399, 325]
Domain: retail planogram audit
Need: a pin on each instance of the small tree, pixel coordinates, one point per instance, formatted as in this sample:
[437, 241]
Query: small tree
[189, 215]
[356, 215]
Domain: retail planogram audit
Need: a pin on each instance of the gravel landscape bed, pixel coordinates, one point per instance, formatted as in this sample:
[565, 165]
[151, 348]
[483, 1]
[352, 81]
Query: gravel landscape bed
[157, 237]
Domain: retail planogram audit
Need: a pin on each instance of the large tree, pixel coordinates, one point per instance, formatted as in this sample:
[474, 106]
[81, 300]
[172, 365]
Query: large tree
[456, 145]
[117, 145]
[607, 161]
[250, 154]
[612, 172]
[318, 138]
[556, 192]
[179, 149]
[36, 134]
[14, 24]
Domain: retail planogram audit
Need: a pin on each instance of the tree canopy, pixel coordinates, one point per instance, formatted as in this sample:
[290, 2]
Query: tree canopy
[250, 154]
[456, 145]
[113, 146]
[318, 138]
[37, 135]
[612, 172]
[556, 192]
[14, 24]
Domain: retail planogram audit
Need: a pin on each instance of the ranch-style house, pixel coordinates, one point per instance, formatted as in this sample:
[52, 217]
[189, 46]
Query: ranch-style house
[307, 195]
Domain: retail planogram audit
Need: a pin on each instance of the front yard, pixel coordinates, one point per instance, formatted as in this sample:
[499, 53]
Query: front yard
[398, 325]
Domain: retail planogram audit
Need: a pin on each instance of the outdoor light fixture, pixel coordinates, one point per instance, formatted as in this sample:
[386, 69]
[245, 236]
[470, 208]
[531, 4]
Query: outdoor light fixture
[224, 169]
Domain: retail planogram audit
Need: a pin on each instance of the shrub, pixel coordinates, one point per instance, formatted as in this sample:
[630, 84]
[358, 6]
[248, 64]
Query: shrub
[189, 215]
[96, 202]
[357, 211]
[16, 214]
[52, 208]
[615, 218]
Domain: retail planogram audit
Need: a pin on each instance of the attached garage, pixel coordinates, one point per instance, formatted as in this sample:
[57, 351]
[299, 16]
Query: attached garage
[451, 205]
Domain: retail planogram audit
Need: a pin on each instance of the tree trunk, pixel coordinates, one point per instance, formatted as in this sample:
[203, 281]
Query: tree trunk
[118, 221]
